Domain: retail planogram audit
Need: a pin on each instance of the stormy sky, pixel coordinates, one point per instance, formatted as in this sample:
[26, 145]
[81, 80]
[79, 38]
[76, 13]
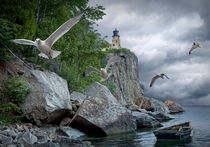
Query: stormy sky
[161, 33]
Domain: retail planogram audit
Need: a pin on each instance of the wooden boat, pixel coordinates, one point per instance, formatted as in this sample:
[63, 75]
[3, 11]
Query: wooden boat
[180, 131]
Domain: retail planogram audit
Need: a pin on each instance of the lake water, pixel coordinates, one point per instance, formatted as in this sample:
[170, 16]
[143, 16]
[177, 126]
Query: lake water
[198, 115]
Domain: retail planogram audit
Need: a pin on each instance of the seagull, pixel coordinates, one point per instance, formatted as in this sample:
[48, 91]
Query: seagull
[44, 46]
[158, 76]
[103, 71]
[194, 46]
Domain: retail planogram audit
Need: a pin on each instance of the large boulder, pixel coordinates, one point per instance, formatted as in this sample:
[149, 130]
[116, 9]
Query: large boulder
[154, 105]
[49, 98]
[98, 90]
[144, 120]
[101, 115]
[174, 107]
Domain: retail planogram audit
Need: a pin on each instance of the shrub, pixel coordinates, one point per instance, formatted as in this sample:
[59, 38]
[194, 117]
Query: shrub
[121, 50]
[75, 80]
[111, 86]
[13, 94]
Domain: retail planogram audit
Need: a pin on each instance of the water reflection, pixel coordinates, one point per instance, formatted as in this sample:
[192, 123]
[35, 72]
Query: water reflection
[172, 143]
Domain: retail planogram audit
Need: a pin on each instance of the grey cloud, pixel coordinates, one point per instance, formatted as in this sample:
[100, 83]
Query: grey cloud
[161, 33]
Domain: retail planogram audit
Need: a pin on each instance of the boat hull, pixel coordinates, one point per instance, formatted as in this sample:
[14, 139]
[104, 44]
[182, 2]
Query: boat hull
[168, 133]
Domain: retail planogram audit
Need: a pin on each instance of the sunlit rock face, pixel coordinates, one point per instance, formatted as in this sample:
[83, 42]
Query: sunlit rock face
[153, 105]
[126, 78]
[174, 107]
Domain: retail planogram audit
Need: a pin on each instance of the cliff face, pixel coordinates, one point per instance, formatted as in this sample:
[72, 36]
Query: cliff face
[126, 78]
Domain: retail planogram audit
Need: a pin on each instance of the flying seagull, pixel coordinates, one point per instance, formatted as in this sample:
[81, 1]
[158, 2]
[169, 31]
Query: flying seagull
[156, 77]
[103, 71]
[194, 46]
[44, 46]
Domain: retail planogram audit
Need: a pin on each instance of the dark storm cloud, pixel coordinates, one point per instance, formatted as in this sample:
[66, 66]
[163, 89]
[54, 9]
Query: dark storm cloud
[161, 33]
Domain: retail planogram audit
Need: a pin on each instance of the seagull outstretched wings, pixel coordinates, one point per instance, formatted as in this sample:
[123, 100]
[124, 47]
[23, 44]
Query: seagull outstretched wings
[44, 46]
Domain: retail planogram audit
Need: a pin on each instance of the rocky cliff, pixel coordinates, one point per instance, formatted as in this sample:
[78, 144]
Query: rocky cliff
[125, 77]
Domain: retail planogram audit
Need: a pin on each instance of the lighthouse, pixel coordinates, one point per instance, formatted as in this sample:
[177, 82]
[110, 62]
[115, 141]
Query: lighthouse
[115, 39]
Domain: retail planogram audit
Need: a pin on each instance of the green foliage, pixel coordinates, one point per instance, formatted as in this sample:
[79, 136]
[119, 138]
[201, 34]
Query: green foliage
[13, 94]
[111, 86]
[6, 34]
[121, 50]
[17, 21]
[10, 119]
[76, 82]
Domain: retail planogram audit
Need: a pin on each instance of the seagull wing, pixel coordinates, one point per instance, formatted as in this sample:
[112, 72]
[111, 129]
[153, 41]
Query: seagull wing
[193, 47]
[89, 70]
[112, 61]
[166, 76]
[153, 80]
[63, 29]
[23, 41]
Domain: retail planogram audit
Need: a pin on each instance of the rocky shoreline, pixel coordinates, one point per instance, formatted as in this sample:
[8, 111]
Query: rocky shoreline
[58, 118]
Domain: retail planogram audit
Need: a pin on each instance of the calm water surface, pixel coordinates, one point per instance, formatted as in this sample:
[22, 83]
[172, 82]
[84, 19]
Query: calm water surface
[199, 116]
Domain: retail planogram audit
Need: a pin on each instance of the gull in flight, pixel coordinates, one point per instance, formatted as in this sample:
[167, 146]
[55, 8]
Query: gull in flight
[156, 77]
[194, 46]
[103, 71]
[44, 46]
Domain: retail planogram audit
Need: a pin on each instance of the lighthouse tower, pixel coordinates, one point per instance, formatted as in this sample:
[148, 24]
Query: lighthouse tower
[115, 39]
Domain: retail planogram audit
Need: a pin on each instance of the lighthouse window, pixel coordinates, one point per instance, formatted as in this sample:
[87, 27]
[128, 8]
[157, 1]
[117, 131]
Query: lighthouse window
[113, 45]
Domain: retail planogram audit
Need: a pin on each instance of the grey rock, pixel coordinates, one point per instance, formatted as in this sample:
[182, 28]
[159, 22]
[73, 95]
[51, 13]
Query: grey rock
[50, 131]
[102, 115]
[5, 140]
[48, 99]
[71, 132]
[11, 145]
[29, 138]
[22, 142]
[68, 142]
[144, 120]
[9, 132]
[98, 90]
[65, 121]
[41, 136]
[154, 105]
[19, 128]
[174, 107]
[47, 144]
[125, 76]
[76, 96]
[74, 107]
[160, 116]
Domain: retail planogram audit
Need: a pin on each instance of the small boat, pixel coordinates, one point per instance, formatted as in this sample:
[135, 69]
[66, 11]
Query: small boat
[180, 131]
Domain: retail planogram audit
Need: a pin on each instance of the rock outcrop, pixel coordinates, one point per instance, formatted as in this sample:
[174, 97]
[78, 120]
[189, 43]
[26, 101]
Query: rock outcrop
[160, 116]
[49, 98]
[27, 135]
[174, 107]
[144, 120]
[101, 115]
[126, 78]
[153, 105]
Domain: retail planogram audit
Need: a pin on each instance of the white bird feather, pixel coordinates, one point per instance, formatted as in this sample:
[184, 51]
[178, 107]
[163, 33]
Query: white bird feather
[44, 46]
